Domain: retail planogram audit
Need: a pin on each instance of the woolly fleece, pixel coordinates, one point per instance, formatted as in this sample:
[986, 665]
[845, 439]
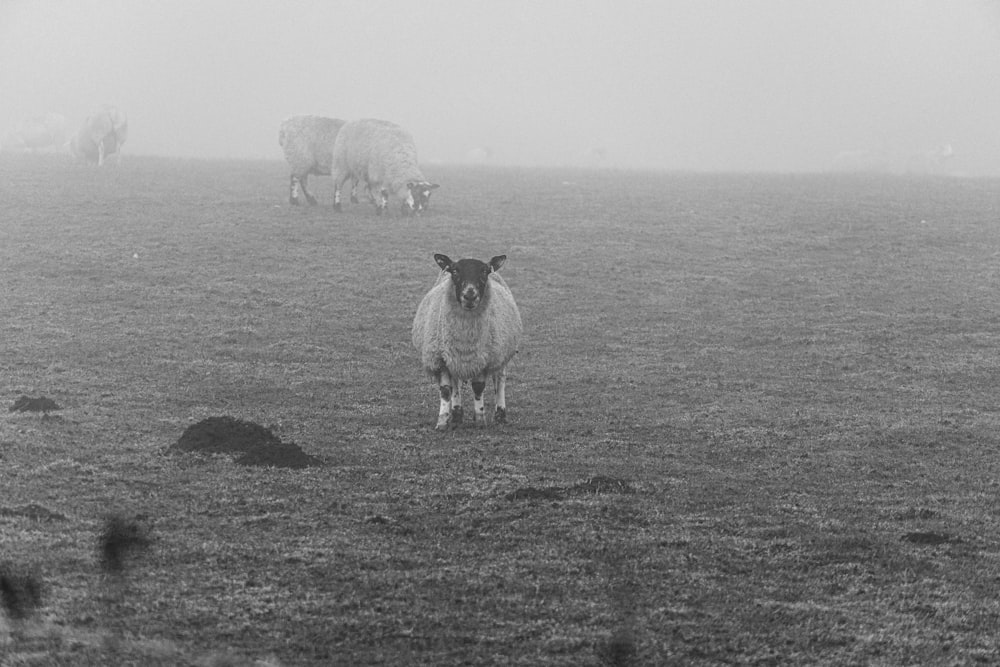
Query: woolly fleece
[308, 143]
[469, 343]
[379, 153]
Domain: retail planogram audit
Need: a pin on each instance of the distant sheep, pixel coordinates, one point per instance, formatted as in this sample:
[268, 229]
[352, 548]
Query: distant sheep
[468, 327]
[102, 134]
[308, 145]
[37, 133]
[479, 155]
[382, 155]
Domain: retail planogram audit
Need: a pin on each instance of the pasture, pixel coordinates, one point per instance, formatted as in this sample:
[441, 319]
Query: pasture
[754, 420]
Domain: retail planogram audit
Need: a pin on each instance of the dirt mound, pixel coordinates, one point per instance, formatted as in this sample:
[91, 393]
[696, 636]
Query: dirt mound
[257, 445]
[929, 538]
[29, 404]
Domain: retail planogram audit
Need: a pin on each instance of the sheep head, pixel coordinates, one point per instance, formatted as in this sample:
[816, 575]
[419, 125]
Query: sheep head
[419, 196]
[470, 278]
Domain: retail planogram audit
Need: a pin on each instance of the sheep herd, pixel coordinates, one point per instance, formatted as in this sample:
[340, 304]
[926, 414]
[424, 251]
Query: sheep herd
[467, 327]
[100, 135]
[380, 154]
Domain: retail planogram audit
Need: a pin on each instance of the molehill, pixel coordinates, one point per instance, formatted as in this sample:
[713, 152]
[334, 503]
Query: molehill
[256, 445]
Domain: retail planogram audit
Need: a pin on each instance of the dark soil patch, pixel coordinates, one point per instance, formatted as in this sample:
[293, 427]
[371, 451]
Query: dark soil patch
[929, 538]
[256, 444]
[285, 455]
[120, 538]
[20, 591]
[619, 651]
[39, 404]
[600, 484]
[592, 486]
[534, 493]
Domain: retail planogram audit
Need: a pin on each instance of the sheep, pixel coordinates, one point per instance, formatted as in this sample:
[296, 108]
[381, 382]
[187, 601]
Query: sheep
[102, 134]
[468, 327]
[383, 155]
[308, 145]
[479, 155]
[37, 133]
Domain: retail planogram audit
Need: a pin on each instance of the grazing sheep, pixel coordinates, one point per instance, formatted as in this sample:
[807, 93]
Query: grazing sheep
[467, 327]
[102, 134]
[308, 145]
[37, 133]
[383, 155]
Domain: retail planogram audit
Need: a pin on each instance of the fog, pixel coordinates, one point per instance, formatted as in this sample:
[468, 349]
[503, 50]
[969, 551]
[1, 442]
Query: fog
[696, 85]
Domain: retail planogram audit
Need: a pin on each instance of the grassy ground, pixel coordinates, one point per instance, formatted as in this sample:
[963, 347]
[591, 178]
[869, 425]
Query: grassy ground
[754, 420]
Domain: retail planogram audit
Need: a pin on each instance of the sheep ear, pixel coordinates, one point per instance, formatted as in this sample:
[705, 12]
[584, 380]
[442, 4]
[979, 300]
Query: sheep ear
[497, 262]
[433, 186]
[443, 262]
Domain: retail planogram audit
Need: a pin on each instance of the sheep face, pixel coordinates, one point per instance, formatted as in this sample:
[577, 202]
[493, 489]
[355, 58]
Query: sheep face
[470, 278]
[418, 197]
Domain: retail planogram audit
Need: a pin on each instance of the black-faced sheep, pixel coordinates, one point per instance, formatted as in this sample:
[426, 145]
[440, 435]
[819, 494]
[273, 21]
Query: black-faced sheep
[468, 327]
[101, 135]
[307, 142]
[382, 155]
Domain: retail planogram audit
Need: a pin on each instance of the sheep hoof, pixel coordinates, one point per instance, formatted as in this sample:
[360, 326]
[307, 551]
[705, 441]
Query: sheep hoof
[336, 207]
[294, 201]
[378, 210]
[456, 416]
[311, 200]
[501, 416]
[442, 424]
[354, 199]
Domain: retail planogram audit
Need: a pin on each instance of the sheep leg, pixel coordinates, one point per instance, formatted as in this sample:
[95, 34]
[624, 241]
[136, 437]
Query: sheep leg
[499, 385]
[456, 405]
[100, 153]
[478, 401]
[354, 191]
[383, 202]
[449, 396]
[293, 191]
[338, 183]
[305, 191]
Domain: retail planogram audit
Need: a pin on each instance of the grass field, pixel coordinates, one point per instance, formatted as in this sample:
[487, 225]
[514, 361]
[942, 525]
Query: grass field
[754, 420]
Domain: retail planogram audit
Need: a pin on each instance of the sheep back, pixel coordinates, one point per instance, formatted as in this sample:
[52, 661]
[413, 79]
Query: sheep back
[378, 152]
[308, 142]
[469, 344]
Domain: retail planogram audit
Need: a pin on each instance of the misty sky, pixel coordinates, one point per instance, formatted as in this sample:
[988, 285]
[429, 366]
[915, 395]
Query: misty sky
[778, 85]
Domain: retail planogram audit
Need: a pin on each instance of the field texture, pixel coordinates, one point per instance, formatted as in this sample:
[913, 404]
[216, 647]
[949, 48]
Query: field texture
[754, 420]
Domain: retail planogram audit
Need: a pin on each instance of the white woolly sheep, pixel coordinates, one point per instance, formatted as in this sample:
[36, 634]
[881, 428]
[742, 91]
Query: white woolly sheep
[468, 327]
[102, 134]
[383, 155]
[37, 133]
[308, 145]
